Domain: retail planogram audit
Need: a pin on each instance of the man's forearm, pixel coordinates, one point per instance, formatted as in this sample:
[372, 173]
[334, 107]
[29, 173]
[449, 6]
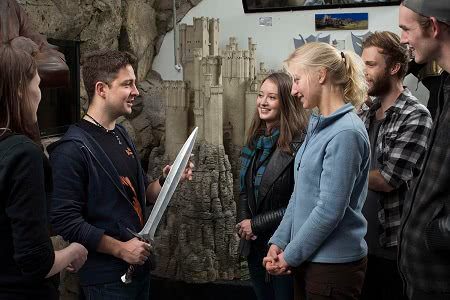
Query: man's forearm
[152, 192]
[378, 183]
[109, 245]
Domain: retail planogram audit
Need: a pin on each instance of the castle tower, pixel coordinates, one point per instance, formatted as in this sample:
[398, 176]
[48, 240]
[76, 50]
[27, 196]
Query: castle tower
[236, 77]
[195, 78]
[176, 116]
[250, 103]
[213, 108]
[262, 73]
[196, 85]
[213, 65]
[252, 58]
[201, 34]
[247, 64]
[214, 37]
[182, 43]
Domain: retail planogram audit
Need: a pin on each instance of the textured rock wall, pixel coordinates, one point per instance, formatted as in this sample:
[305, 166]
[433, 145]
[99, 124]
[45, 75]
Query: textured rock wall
[196, 241]
[137, 26]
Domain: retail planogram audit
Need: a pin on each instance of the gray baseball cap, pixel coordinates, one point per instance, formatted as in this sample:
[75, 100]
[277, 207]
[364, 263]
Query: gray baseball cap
[440, 9]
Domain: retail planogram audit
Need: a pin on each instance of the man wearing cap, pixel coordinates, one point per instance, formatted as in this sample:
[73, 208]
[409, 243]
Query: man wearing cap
[424, 247]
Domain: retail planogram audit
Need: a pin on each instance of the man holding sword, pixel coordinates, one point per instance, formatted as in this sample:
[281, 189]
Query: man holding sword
[100, 189]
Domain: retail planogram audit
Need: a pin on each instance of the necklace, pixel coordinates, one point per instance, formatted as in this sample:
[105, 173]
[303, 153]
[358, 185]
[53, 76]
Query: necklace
[104, 128]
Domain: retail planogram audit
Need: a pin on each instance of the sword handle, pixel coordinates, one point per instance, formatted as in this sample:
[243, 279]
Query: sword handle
[127, 277]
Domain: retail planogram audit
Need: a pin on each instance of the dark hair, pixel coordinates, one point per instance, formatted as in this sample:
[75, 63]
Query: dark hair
[17, 69]
[103, 66]
[392, 48]
[293, 117]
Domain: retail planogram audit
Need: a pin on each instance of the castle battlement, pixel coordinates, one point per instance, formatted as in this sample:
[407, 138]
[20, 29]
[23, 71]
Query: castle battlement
[221, 85]
[203, 33]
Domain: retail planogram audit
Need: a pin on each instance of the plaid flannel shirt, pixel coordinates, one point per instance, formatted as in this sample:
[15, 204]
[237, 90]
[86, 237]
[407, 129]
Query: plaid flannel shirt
[424, 244]
[401, 145]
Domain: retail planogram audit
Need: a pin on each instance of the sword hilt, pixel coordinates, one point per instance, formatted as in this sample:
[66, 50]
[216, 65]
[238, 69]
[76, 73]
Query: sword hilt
[127, 277]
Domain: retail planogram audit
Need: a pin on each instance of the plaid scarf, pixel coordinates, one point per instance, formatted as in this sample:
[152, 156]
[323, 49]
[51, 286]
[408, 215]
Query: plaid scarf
[264, 144]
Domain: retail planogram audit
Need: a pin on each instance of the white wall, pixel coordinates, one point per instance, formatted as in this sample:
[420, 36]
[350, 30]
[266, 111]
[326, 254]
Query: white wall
[276, 42]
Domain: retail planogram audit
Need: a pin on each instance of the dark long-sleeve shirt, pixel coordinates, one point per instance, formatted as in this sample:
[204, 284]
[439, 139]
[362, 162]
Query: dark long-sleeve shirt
[26, 252]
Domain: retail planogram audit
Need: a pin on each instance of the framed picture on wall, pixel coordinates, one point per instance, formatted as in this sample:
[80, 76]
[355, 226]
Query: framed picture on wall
[342, 21]
[254, 6]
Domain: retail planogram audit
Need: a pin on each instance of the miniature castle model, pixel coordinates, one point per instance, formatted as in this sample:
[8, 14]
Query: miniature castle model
[218, 91]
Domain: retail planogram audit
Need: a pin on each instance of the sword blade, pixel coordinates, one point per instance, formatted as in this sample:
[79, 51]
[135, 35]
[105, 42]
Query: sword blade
[169, 187]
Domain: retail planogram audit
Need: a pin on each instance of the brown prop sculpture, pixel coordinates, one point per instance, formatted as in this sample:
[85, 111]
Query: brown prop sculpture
[15, 28]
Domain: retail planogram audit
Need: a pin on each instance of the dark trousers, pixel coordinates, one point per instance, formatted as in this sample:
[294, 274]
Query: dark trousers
[383, 280]
[323, 281]
[268, 287]
[419, 295]
[138, 289]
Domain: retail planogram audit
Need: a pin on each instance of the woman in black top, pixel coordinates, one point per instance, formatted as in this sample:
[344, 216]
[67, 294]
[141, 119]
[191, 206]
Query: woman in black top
[266, 178]
[27, 258]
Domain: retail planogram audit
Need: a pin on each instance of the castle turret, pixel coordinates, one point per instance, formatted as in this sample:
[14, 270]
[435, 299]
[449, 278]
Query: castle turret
[218, 96]
[213, 111]
[247, 64]
[250, 103]
[196, 87]
[201, 34]
[236, 77]
[182, 51]
[214, 37]
[252, 58]
[213, 65]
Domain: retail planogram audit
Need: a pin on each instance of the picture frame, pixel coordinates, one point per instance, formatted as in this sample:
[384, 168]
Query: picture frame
[257, 6]
[342, 21]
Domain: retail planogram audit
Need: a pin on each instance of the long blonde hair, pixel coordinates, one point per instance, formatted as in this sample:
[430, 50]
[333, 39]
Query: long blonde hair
[344, 68]
[293, 117]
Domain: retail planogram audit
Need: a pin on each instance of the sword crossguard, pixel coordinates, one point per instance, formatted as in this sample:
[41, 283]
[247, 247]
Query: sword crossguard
[140, 237]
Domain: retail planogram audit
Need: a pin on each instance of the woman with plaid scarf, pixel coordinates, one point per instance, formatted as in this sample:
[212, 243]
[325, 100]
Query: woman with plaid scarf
[266, 177]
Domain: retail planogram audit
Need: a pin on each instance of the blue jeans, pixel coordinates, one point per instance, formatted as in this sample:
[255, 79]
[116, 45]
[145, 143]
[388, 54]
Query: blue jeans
[276, 287]
[138, 289]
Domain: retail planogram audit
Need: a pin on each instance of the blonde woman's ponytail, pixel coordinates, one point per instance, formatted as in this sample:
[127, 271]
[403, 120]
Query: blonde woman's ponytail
[346, 69]
[355, 87]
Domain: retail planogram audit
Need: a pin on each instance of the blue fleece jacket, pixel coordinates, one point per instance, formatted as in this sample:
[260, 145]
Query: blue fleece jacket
[323, 221]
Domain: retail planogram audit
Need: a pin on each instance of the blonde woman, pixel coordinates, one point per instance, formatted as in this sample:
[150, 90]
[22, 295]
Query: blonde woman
[321, 236]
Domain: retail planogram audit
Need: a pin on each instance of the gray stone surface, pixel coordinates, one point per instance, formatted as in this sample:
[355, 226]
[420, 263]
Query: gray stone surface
[130, 25]
[138, 33]
[137, 26]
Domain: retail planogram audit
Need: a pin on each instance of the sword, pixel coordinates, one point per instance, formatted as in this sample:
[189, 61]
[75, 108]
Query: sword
[176, 171]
